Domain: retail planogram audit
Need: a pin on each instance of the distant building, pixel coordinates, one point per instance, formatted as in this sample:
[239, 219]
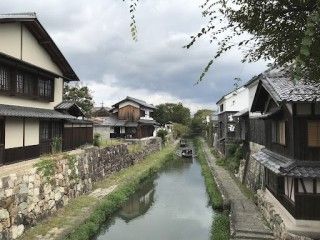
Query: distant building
[228, 105]
[129, 118]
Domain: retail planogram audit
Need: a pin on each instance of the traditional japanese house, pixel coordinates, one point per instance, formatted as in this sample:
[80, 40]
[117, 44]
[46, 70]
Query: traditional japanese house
[134, 119]
[229, 105]
[291, 157]
[32, 74]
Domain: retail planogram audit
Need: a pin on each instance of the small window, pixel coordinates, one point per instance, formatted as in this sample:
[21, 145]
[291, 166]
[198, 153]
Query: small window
[4, 79]
[221, 108]
[318, 186]
[279, 132]
[314, 133]
[303, 109]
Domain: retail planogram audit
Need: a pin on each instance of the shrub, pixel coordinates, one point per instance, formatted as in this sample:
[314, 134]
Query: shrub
[97, 140]
[56, 145]
[162, 133]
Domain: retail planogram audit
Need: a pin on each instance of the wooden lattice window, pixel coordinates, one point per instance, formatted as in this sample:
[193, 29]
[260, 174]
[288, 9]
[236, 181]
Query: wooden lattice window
[314, 133]
[4, 79]
[45, 88]
[19, 83]
[279, 132]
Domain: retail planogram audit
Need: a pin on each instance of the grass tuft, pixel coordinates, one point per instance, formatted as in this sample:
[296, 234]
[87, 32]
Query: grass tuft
[215, 197]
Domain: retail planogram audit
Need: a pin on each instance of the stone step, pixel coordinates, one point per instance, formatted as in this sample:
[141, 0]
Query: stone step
[253, 235]
[264, 232]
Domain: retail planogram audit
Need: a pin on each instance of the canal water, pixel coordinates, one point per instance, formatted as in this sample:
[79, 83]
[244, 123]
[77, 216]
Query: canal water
[173, 206]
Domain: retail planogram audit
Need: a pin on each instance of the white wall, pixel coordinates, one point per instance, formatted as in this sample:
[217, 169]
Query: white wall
[104, 131]
[31, 52]
[236, 101]
[13, 132]
[31, 132]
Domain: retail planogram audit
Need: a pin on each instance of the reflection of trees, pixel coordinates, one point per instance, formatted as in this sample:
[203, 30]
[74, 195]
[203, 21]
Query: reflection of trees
[178, 164]
[139, 203]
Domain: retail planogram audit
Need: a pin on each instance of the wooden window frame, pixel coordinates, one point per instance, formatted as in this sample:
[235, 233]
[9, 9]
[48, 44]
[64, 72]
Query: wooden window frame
[24, 90]
[277, 130]
[318, 133]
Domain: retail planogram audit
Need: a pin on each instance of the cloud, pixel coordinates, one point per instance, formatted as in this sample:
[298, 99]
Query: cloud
[95, 37]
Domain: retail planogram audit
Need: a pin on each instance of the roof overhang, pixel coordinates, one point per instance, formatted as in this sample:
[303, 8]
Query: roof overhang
[31, 22]
[71, 108]
[28, 112]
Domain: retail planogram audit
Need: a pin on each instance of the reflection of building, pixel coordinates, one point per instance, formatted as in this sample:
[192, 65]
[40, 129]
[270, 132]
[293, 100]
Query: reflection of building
[139, 203]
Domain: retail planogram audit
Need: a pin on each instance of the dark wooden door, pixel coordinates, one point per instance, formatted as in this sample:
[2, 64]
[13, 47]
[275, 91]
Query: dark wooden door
[2, 137]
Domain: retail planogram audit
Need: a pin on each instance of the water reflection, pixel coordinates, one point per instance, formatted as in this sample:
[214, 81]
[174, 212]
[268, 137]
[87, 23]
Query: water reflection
[171, 207]
[139, 203]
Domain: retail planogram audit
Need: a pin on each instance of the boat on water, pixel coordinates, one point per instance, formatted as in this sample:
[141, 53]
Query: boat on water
[187, 153]
[183, 143]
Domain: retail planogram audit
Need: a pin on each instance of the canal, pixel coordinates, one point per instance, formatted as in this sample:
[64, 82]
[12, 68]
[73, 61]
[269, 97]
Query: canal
[172, 206]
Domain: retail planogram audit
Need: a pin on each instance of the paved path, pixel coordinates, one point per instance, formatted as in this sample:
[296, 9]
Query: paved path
[246, 220]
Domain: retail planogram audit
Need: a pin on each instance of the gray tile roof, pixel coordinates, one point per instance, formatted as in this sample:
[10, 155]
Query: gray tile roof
[287, 167]
[278, 82]
[271, 160]
[19, 111]
[138, 101]
[303, 169]
[65, 105]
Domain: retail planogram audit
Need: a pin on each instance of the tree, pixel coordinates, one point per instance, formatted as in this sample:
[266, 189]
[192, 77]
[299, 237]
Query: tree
[285, 31]
[81, 96]
[173, 112]
[198, 122]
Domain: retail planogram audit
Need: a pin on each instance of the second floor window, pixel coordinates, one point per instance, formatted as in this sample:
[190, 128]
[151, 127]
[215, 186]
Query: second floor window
[45, 88]
[279, 132]
[25, 83]
[4, 79]
[314, 133]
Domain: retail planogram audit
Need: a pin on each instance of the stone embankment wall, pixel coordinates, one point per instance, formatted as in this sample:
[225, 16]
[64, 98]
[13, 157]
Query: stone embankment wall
[31, 196]
[274, 219]
[251, 172]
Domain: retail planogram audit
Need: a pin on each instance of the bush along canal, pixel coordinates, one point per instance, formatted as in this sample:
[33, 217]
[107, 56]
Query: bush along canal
[172, 205]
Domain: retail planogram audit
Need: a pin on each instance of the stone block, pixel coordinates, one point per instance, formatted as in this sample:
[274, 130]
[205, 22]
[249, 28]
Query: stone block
[16, 231]
[4, 214]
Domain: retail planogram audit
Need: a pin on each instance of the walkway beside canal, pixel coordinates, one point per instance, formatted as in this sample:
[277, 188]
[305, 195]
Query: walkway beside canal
[246, 220]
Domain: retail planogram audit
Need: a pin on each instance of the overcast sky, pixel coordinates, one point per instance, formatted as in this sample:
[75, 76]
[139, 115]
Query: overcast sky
[95, 37]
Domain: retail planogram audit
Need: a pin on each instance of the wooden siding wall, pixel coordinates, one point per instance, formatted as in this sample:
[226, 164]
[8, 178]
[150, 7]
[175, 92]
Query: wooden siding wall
[301, 149]
[129, 113]
[74, 137]
[13, 155]
[257, 131]
[287, 149]
[145, 131]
